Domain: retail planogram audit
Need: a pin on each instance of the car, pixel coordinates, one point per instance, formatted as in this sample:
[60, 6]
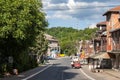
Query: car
[75, 58]
[83, 61]
[75, 64]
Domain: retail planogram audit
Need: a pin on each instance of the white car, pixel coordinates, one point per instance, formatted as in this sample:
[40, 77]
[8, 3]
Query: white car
[75, 58]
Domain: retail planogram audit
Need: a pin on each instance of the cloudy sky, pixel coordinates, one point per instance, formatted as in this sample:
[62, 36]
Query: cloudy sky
[78, 14]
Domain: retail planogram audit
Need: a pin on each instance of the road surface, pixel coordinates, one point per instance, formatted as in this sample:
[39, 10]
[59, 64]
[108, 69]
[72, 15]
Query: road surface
[60, 70]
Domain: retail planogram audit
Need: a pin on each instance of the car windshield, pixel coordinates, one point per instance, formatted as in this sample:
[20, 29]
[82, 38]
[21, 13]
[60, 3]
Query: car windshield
[75, 58]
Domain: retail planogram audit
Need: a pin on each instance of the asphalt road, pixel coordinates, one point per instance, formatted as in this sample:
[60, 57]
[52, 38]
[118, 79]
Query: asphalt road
[60, 70]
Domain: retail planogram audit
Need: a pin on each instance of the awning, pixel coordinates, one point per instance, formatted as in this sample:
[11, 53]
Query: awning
[104, 33]
[113, 30]
[103, 55]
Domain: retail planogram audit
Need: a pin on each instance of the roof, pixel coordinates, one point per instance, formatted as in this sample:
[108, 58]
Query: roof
[104, 33]
[101, 23]
[50, 38]
[113, 30]
[115, 9]
[100, 55]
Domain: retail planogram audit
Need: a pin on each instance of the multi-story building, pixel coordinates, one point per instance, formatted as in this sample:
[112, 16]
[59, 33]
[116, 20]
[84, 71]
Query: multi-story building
[106, 41]
[108, 37]
[113, 34]
[101, 59]
[99, 40]
[101, 33]
[53, 46]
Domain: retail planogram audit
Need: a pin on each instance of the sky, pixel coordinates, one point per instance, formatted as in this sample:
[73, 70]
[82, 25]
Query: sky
[78, 14]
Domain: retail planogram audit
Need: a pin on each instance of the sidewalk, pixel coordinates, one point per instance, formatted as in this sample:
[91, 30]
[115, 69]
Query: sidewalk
[113, 73]
[27, 73]
[110, 73]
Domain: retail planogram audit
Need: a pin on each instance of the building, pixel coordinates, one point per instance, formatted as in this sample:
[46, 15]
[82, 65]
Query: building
[101, 33]
[100, 58]
[107, 42]
[53, 46]
[113, 34]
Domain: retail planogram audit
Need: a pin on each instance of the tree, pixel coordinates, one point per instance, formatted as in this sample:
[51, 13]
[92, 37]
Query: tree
[20, 22]
[69, 37]
[41, 46]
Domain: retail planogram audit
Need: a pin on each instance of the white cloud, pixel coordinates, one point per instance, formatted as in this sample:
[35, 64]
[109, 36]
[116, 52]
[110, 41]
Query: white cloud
[71, 4]
[59, 15]
[92, 26]
[71, 8]
[50, 6]
[77, 9]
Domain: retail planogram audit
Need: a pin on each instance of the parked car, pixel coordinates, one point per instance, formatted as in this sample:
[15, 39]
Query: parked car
[106, 64]
[84, 61]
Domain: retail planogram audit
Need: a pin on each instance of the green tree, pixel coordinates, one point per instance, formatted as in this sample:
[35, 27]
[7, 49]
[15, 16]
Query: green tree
[69, 37]
[20, 22]
[41, 46]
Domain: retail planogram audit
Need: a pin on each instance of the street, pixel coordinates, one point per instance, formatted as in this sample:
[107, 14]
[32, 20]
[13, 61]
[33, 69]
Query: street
[60, 69]
[59, 40]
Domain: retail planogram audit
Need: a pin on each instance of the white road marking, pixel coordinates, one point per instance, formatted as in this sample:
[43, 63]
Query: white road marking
[36, 73]
[87, 75]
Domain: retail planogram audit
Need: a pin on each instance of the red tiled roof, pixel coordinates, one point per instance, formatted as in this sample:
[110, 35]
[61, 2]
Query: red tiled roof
[115, 9]
[101, 23]
[50, 38]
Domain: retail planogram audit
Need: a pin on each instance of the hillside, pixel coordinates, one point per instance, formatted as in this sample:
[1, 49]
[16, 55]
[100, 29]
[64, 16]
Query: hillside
[69, 37]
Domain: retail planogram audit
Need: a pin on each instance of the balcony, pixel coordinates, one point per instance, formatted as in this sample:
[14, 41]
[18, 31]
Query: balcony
[116, 47]
[103, 48]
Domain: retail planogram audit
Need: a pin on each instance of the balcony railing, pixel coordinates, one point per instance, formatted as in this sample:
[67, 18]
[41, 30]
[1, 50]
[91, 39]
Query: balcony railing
[103, 48]
[116, 47]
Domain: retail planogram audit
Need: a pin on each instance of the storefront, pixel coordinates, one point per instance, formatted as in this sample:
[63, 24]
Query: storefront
[101, 60]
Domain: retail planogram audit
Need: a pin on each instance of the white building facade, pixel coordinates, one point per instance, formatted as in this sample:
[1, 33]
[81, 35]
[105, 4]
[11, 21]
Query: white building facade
[53, 46]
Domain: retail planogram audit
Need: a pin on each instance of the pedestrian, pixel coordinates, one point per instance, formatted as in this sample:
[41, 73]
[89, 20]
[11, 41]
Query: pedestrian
[90, 66]
[15, 70]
